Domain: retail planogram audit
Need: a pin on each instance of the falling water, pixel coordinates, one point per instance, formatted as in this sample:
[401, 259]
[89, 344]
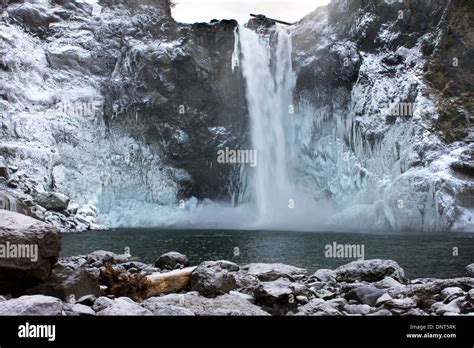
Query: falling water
[268, 72]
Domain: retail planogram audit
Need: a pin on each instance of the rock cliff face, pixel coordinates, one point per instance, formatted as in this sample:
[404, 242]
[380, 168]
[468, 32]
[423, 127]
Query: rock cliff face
[384, 112]
[115, 104]
[118, 105]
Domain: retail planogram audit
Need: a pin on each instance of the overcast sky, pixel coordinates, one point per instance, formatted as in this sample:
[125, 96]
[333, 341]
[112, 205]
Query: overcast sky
[190, 11]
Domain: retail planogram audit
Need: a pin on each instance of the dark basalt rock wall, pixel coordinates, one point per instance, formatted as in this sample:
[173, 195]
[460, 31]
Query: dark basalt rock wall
[186, 104]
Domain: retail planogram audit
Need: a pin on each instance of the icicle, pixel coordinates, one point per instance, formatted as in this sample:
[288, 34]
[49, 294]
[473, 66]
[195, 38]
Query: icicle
[236, 53]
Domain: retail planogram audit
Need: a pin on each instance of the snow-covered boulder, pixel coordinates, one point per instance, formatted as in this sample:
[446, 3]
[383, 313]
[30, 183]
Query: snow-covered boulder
[29, 249]
[36, 305]
[370, 271]
[273, 271]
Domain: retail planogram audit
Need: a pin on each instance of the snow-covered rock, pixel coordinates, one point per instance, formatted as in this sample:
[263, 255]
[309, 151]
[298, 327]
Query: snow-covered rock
[325, 275]
[319, 307]
[273, 271]
[172, 260]
[371, 271]
[213, 278]
[82, 310]
[37, 305]
[146, 102]
[366, 295]
[123, 306]
[52, 200]
[193, 304]
[368, 133]
[129, 130]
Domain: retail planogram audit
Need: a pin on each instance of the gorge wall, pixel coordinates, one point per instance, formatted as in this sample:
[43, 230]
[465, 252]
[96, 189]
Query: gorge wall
[360, 64]
[117, 105]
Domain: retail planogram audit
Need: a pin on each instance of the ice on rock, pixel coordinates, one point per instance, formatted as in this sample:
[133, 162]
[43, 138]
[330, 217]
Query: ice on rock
[65, 132]
[342, 159]
[236, 52]
[381, 172]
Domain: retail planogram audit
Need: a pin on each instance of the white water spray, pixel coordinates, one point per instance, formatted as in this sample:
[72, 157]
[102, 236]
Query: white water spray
[270, 80]
[281, 201]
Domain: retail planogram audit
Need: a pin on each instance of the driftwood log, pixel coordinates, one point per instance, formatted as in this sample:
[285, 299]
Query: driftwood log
[139, 287]
[165, 283]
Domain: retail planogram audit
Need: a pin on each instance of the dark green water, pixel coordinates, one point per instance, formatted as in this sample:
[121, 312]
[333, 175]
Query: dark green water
[427, 255]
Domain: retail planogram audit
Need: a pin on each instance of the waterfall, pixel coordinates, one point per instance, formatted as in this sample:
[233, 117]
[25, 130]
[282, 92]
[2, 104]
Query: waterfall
[267, 69]
[236, 53]
[280, 195]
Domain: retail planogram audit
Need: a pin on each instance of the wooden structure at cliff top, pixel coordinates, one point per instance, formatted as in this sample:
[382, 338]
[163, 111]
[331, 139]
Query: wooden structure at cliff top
[263, 17]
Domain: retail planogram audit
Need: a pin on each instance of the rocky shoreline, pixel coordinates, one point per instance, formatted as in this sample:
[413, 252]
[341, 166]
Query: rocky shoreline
[106, 284]
[21, 194]
[34, 280]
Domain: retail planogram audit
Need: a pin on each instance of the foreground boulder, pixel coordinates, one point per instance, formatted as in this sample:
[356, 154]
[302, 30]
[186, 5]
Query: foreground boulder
[271, 271]
[172, 260]
[100, 258]
[319, 307]
[370, 271]
[433, 287]
[281, 292]
[65, 283]
[37, 305]
[365, 295]
[192, 303]
[214, 278]
[325, 275]
[123, 306]
[30, 249]
[79, 310]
